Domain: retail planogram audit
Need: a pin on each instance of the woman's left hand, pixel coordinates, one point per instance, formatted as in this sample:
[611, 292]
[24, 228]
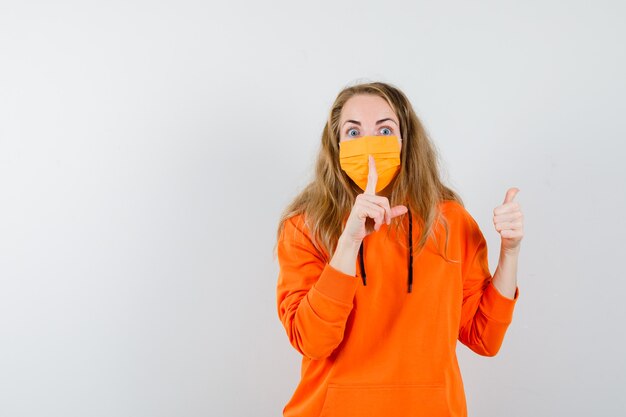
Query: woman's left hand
[508, 220]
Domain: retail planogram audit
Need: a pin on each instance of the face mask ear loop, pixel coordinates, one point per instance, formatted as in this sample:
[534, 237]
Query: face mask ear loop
[362, 264]
[410, 253]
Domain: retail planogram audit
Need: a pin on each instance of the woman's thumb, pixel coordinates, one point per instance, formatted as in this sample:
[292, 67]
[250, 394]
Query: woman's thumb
[398, 210]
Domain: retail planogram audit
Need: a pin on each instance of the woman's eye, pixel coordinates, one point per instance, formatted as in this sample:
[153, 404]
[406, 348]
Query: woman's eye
[351, 130]
[385, 131]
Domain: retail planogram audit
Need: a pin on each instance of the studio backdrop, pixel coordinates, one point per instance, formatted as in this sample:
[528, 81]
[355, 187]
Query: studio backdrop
[147, 149]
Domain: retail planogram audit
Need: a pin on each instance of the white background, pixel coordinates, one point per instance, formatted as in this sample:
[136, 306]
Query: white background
[148, 148]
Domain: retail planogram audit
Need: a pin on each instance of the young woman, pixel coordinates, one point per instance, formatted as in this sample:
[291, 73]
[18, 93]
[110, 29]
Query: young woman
[382, 269]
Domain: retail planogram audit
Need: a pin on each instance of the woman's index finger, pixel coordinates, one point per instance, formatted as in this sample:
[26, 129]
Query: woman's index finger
[372, 177]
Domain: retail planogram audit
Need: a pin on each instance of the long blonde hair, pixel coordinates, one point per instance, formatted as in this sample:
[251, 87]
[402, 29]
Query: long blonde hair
[328, 199]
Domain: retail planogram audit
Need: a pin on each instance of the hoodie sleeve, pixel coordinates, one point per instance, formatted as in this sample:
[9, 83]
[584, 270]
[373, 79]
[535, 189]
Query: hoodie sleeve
[314, 299]
[485, 313]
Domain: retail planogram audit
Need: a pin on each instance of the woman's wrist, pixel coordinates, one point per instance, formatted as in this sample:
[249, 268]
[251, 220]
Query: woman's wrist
[344, 258]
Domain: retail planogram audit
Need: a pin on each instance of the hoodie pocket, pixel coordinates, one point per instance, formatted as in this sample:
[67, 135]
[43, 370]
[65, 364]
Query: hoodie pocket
[415, 400]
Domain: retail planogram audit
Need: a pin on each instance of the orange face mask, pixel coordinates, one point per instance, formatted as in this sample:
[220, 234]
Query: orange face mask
[354, 154]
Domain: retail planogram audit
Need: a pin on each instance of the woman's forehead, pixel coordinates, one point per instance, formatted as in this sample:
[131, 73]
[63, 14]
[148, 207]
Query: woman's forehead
[366, 107]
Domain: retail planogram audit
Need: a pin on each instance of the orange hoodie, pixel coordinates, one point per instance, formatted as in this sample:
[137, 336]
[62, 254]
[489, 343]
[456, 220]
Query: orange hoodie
[375, 348]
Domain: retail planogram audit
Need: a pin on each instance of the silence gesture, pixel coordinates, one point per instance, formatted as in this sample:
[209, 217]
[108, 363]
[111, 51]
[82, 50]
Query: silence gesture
[370, 211]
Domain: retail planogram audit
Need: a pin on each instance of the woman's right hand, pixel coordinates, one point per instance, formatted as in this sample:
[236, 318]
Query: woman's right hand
[369, 211]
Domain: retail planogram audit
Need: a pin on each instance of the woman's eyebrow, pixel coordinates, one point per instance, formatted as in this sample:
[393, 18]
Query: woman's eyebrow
[384, 120]
[378, 122]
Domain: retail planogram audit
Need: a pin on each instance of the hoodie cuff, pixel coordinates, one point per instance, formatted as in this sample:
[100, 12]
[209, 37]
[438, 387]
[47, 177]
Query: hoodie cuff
[337, 285]
[496, 306]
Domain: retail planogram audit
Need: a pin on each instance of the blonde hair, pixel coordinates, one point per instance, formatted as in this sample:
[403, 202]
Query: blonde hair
[328, 199]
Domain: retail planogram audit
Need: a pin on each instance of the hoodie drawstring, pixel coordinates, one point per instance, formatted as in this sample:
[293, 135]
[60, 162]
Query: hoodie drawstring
[362, 264]
[410, 268]
[410, 253]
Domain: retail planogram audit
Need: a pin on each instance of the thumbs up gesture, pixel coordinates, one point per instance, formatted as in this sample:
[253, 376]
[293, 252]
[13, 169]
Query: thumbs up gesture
[508, 221]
